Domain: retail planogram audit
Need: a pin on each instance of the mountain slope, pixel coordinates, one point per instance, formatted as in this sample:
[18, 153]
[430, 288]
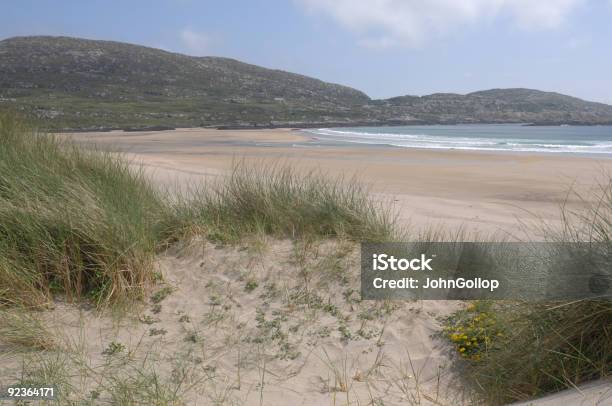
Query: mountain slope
[106, 83]
[77, 83]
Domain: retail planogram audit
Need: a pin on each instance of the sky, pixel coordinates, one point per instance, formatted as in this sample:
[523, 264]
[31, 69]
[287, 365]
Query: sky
[385, 48]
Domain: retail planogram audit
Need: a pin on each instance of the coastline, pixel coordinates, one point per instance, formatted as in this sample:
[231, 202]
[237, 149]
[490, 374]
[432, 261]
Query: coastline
[477, 191]
[208, 287]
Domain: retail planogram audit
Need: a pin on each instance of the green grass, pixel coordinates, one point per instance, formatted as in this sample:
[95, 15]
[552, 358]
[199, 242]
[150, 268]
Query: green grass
[276, 200]
[87, 224]
[523, 350]
[543, 347]
[73, 221]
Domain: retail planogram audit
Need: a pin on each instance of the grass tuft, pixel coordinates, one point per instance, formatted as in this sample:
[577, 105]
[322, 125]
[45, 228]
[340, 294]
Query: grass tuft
[20, 329]
[278, 201]
[71, 221]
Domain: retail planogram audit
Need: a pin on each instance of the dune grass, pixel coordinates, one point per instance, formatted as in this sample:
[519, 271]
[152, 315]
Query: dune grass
[542, 347]
[87, 224]
[276, 200]
[24, 330]
[517, 351]
[75, 221]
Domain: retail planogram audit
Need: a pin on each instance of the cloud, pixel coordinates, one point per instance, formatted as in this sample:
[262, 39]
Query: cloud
[194, 42]
[385, 23]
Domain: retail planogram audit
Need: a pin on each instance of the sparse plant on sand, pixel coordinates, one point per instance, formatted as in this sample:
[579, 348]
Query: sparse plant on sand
[23, 329]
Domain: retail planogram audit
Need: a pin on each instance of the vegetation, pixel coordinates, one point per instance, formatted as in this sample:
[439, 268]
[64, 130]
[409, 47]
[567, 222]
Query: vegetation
[87, 224]
[276, 200]
[71, 221]
[521, 350]
[85, 84]
[22, 330]
[475, 330]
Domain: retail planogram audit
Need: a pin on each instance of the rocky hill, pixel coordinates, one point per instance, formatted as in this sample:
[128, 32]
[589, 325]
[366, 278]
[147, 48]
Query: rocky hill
[498, 106]
[77, 83]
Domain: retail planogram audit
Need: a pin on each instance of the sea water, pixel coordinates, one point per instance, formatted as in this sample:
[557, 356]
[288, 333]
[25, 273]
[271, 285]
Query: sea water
[583, 140]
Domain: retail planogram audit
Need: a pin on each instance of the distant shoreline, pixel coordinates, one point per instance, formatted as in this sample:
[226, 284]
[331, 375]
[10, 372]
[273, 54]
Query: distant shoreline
[305, 126]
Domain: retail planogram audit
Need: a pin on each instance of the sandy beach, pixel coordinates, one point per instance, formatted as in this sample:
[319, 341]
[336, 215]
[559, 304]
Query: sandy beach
[480, 192]
[306, 203]
[268, 320]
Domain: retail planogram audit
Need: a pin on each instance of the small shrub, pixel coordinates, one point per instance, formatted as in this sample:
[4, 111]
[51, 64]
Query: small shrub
[250, 286]
[113, 348]
[161, 294]
[475, 330]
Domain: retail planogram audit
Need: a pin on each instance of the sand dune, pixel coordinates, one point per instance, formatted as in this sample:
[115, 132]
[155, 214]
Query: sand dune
[257, 328]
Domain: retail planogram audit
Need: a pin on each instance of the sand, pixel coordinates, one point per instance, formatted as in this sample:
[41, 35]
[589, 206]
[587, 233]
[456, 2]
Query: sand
[265, 323]
[272, 322]
[491, 193]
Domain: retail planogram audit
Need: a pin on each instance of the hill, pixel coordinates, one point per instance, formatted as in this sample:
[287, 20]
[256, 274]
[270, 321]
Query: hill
[499, 106]
[88, 84]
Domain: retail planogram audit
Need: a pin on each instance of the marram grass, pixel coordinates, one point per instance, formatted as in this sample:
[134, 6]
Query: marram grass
[547, 346]
[276, 200]
[73, 221]
[87, 224]
[518, 351]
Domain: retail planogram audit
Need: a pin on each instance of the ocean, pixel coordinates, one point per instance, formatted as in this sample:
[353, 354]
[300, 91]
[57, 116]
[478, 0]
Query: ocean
[582, 140]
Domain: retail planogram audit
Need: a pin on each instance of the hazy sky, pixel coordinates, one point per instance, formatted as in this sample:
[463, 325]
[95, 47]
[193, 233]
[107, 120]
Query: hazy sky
[383, 47]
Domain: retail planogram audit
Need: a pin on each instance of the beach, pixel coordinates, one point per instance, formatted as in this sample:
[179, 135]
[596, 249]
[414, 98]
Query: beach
[253, 297]
[306, 203]
[499, 193]
[398, 357]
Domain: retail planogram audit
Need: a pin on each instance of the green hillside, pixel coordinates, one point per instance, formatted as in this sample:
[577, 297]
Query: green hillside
[85, 84]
